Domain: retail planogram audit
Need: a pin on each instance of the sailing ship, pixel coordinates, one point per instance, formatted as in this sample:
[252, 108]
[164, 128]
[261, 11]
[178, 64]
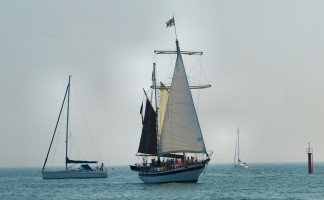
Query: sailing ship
[237, 161]
[73, 168]
[171, 145]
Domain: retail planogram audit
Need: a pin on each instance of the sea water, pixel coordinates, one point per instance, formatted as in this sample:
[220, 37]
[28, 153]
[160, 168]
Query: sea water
[219, 181]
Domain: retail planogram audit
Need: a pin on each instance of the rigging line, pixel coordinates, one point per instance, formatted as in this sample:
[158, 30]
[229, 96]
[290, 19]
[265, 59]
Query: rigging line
[172, 62]
[58, 136]
[143, 98]
[80, 156]
[70, 133]
[85, 123]
[203, 70]
[194, 64]
[167, 68]
[198, 95]
[197, 82]
[49, 149]
[191, 65]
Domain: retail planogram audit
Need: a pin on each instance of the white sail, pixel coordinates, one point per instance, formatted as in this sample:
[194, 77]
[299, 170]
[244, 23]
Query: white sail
[181, 130]
[238, 162]
[164, 94]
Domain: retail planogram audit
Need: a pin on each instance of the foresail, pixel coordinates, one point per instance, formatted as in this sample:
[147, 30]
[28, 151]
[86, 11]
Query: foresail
[164, 95]
[148, 143]
[181, 130]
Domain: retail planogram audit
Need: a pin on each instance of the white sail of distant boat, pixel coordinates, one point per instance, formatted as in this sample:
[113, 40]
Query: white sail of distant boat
[171, 134]
[237, 160]
[84, 168]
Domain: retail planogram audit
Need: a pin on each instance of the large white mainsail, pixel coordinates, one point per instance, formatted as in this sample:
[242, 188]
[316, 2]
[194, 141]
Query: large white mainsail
[181, 130]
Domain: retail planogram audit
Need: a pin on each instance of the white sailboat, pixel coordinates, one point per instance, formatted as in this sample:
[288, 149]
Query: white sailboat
[172, 146]
[237, 161]
[73, 168]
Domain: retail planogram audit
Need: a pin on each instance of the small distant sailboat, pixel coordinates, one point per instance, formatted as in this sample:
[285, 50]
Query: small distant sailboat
[172, 146]
[237, 160]
[84, 170]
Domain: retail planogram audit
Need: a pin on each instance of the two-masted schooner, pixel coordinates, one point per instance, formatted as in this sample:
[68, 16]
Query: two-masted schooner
[171, 145]
[73, 168]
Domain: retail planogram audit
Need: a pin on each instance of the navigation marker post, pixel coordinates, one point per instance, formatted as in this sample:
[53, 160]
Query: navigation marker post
[309, 152]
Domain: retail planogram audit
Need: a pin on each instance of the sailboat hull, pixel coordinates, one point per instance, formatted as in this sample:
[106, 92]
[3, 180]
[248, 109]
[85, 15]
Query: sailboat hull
[241, 166]
[73, 174]
[190, 173]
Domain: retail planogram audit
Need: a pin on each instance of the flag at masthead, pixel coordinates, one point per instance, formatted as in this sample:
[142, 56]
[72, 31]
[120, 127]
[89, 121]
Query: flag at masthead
[170, 23]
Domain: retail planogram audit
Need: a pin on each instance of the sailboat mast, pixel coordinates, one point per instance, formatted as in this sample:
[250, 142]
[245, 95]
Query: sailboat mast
[156, 108]
[58, 119]
[67, 125]
[235, 151]
[238, 144]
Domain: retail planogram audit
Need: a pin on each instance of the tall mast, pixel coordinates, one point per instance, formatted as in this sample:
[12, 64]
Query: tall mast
[238, 143]
[235, 151]
[67, 124]
[58, 119]
[156, 108]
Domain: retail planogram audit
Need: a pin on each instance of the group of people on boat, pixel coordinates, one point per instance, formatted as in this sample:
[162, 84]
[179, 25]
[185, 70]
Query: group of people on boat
[173, 162]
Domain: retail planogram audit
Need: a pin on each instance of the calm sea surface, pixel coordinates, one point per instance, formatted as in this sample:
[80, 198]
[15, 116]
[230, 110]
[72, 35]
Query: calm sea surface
[259, 181]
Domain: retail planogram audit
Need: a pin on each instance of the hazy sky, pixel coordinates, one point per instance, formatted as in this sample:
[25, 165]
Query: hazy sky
[264, 60]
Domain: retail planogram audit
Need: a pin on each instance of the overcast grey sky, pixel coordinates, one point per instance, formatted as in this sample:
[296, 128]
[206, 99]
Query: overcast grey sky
[264, 60]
